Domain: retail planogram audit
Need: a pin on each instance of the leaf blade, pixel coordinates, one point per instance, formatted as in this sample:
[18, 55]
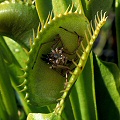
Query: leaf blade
[107, 95]
[86, 96]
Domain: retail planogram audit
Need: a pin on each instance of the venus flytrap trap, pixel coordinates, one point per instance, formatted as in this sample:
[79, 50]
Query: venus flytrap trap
[51, 81]
[46, 86]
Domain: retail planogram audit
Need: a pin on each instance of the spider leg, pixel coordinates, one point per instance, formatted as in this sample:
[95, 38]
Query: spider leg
[80, 38]
[58, 40]
[54, 45]
[59, 67]
[66, 76]
[66, 30]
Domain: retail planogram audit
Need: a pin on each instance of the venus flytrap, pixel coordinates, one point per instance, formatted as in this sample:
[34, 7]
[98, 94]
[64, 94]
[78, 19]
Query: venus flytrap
[43, 44]
[51, 79]
[59, 49]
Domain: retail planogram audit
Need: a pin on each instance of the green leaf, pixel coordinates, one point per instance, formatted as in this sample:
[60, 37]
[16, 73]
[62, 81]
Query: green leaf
[6, 89]
[14, 65]
[8, 56]
[67, 113]
[107, 83]
[83, 94]
[16, 53]
[15, 59]
[3, 112]
[39, 116]
[18, 20]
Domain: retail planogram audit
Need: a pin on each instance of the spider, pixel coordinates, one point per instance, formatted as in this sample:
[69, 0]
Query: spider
[58, 61]
[57, 57]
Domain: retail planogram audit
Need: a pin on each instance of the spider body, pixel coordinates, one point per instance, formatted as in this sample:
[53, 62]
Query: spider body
[56, 57]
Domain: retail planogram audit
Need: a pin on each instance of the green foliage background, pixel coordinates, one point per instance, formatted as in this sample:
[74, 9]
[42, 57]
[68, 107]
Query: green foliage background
[95, 95]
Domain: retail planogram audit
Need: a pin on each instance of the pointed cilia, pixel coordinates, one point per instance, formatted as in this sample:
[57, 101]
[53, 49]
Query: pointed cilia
[91, 35]
[62, 44]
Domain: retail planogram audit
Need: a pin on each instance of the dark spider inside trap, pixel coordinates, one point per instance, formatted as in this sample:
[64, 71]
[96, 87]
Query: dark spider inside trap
[58, 57]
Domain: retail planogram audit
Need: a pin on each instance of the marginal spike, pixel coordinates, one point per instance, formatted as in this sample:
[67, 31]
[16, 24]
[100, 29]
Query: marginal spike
[23, 83]
[26, 96]
[47, 20]
[62, 91]
[95, 23]
[92, 27]
[101, 14]
[21, 76]
[74, 63]
[26, 51]
[98, 17]
[59, 15]
[82, 51]
[51, 14]
[24, 89]
[86, 36]
[76, 11]
[59, 99]
[67, 10]
[31, 42]
[71, 73]
[80, 11]
[34, 36]
[105, 18]
[40, 26]
[23, 69]
[58, 107]
[89, 30]
[82, 46]
[71, 8]
[79, 66]
[78, 54]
